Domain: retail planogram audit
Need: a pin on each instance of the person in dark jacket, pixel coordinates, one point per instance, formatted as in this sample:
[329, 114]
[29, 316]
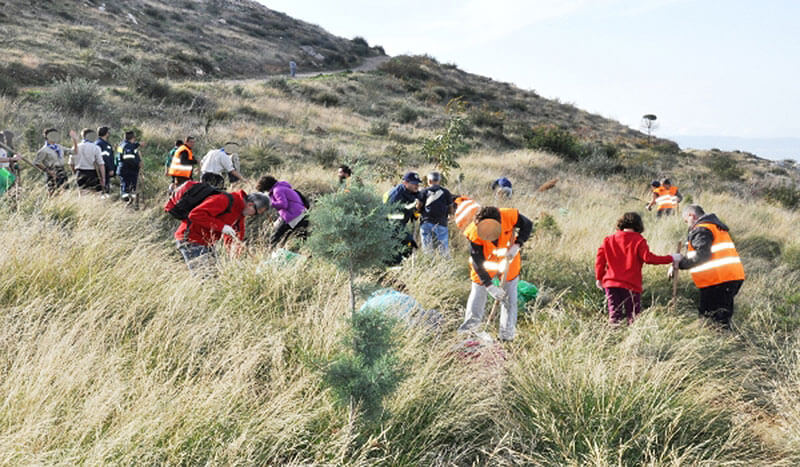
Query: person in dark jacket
[404, 199]
[107, 151]
[435, 204]
[714, 264]
[129, 163]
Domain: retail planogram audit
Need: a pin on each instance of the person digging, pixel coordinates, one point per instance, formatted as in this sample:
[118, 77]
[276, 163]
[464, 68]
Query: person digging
[496, 237]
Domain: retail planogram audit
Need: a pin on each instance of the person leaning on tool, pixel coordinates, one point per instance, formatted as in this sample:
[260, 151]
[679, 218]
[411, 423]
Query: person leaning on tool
[714, 264]
[494, 250]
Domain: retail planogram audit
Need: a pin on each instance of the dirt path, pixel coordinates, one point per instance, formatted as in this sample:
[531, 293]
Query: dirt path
[370, 64]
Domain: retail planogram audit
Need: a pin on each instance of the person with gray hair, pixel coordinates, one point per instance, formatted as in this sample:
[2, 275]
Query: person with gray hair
[714, 264]
[435, 204]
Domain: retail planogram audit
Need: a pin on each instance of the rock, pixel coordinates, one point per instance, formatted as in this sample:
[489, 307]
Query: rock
[310, 51]
[132, 18]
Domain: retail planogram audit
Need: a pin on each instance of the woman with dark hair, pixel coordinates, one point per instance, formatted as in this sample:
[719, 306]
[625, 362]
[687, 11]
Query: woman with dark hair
[618, 268]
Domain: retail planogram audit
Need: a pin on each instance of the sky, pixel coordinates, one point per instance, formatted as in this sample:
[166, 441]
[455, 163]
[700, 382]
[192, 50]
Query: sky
[713, 71]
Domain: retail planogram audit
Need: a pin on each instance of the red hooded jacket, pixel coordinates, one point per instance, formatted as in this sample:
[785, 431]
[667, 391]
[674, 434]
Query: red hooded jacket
[205, 222]
[620, 259]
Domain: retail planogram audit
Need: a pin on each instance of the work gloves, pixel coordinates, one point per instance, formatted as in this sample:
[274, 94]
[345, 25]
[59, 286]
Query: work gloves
[228, 230]
[676, 257]
[496, 292]
[512, 252]
[671, 271]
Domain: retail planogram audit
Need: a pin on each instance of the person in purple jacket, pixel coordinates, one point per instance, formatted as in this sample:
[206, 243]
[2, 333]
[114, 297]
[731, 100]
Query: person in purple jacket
[291, 209]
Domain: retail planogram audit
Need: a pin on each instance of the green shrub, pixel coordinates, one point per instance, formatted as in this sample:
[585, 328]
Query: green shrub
[555, 140]
[485, 117]
[8, 86]
[379, 128]
[404, 67]
[368, 370]
[281, 84]
[324, 98]
[791, 257]
[326, 157]
[75, 95]
[545, 224]
[407, 114]
[260, 158]
[784, 195]
[724, 167]
[443, 149]
[760, 247]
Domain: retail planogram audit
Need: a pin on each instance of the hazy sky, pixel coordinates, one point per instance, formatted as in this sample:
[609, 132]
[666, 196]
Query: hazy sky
[712, 67]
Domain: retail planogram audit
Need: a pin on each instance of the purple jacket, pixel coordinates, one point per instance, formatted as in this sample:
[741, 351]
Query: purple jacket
[288, 203]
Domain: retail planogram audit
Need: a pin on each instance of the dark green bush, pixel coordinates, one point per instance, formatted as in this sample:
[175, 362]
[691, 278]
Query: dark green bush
[555, 140]
[484, 117]
[785, 195]
[725, 167]
[407, 114]
[326, 157]
[8, 86]
[404, 67]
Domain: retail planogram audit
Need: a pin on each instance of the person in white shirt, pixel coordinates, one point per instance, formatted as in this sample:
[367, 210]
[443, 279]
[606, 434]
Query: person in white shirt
[88, 164]
[219, 161]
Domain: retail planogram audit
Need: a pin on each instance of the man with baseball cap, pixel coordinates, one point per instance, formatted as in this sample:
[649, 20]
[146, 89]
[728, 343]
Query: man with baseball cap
[496, 237]
[404, 198]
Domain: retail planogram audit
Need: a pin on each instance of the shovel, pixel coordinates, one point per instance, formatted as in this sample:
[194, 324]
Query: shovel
[503, 282]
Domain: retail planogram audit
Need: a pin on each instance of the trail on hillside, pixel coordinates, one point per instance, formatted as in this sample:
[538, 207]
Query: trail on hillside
[369, 64]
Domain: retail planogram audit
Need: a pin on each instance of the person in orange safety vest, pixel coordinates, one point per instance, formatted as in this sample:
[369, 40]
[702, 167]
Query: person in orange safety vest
[183, 162]
[495, 236]
[714, 264]
[665, 197]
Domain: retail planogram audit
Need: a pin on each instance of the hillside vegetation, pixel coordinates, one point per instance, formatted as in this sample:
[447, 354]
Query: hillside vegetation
[112, 353]
[186, 38]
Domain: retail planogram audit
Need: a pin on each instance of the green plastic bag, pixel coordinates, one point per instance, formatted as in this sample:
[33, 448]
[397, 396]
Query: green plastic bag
[525, 292]
[6, 180]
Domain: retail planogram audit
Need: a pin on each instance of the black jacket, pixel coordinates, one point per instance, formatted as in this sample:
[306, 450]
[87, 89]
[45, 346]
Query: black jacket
[701, 239]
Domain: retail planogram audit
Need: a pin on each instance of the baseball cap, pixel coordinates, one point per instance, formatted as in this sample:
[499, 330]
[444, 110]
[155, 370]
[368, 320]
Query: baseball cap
[412, 177]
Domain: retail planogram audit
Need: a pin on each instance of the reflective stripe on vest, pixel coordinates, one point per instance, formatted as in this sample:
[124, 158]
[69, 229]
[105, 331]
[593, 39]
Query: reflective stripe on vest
[724, 265]
[667, 198]
[176, 168]
[495, 260]
[465, 212]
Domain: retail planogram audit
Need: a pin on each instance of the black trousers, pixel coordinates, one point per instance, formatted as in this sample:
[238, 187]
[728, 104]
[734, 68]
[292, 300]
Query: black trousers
[89, 180]
[283, 231]
[716, 301]
[665, 212]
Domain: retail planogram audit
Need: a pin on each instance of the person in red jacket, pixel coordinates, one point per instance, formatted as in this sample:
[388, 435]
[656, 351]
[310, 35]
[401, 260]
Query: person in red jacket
[618, 268]
[218, 215]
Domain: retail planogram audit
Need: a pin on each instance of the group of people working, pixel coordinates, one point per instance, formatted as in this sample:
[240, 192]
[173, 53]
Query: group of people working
[711, 259]
[495, 235]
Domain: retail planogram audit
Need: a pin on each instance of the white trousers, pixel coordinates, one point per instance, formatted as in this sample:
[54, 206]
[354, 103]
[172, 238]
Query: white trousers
[476, 308]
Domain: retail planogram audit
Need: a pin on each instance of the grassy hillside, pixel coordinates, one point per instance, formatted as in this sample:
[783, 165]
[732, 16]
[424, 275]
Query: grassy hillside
[193, 38]
[110, 352]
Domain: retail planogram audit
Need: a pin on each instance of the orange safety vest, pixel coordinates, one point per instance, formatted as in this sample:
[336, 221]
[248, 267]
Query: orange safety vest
[466, 209]
[495, 255]
[176, 168]
[666, 198]
[724, 265]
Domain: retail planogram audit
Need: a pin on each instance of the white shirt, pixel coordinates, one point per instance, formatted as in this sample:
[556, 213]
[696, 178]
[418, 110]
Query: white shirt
[87, 156]
[216, 161]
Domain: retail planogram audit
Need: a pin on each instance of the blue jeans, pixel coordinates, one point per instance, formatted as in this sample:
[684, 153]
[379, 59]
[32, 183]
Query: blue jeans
[199, 258]
[431, 232]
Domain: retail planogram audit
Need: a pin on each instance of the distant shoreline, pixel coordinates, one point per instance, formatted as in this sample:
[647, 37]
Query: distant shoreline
[768, 148]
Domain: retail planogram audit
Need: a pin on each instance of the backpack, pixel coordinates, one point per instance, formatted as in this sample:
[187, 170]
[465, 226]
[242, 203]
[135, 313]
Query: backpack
[303, 199]
[189, 196]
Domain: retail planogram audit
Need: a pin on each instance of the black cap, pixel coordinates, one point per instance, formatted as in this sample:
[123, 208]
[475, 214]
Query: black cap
[655, 184]
[412, 177]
